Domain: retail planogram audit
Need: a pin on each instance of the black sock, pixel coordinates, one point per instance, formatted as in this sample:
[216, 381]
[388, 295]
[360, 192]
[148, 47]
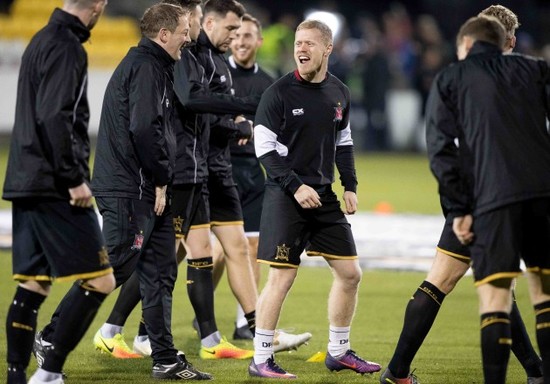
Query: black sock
[20, 329]
[496, 341]
[76, 315]
[542, 312]
[201, 293]
[420, 314]
[128, 298]
[251, 319]
[142, 331]
[521, 345]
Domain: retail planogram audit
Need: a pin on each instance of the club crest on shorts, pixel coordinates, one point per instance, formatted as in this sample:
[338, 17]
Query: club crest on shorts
[338, 112]
[282, 253]
[178, 224]
[138, 241]
[103, 256]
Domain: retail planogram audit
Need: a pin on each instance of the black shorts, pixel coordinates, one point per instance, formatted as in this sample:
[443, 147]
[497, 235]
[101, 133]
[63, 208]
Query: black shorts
[287, 229]
[190, 208]
[250, 179]
[225, 206]
[506, 234]
[449, 244]
[54, 240]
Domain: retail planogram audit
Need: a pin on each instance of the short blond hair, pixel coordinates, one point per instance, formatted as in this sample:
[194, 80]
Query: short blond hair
[483, 28]
[326, 32]
[507, 18]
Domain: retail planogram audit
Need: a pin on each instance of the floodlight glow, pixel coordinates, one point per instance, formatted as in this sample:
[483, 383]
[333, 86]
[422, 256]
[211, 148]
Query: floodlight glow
[329, 18]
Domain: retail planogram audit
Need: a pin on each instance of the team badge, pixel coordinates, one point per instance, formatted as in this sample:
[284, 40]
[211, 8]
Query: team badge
[282, 253]
[338, 112]
[178, 224]
[103, 256]
[138, 241]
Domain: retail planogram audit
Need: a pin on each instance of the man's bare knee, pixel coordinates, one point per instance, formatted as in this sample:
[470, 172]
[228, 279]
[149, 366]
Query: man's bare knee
[103, 284]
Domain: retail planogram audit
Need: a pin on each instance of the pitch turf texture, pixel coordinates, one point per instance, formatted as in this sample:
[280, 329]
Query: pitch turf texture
[450, 353]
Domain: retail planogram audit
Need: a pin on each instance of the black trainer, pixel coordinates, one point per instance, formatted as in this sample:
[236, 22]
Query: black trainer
[182, 370]
[242, 333]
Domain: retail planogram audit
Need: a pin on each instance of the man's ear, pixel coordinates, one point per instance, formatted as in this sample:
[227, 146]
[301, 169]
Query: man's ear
[207, 23]
[163, 35]
[328, 50]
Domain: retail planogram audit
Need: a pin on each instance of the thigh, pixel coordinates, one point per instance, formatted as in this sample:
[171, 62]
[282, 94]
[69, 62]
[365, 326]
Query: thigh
[65, 238]
[495, 250]
[449, 244]
[126, 225]
[225, 206]
[535, 246]
[331, 235]
[190, 208]
[284, 231]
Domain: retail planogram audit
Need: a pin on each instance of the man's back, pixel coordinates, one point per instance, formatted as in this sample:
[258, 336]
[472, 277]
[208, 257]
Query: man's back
[499, 108]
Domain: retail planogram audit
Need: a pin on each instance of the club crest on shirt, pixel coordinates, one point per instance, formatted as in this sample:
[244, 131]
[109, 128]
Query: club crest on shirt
[338, 112]
[223, 79]
[282, 253]
[138, 241]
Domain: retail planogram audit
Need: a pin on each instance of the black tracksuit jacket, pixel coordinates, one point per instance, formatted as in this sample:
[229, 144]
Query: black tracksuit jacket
[194, 103]
[50, 148]
[136, 145]
[496, 106]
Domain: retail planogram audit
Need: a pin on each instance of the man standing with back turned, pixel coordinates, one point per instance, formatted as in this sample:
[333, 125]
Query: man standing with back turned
[55, 230]
[302, 130]
[496, 182]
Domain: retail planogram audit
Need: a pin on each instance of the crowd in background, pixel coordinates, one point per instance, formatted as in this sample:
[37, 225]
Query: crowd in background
[380, 47]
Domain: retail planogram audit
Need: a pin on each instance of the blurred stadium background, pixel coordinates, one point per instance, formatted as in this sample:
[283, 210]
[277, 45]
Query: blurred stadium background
[386, 51]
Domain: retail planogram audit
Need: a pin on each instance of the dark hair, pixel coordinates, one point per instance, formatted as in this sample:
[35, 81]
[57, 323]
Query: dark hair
[483, 28]
[252, 19]
[185, 4]
[160, 16]
[223, 7]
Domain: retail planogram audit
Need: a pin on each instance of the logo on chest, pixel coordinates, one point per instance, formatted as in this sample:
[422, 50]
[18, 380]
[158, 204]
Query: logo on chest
[298, 112]
[338, 112]
[223, 79]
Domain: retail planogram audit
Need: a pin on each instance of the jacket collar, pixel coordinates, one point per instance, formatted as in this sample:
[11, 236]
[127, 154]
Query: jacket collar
[233, 64]
[205, 41]
[483, 47]
[157, 51]
[59, 16]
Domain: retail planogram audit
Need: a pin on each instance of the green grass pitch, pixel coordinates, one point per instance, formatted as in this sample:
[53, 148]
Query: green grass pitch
[450, 353]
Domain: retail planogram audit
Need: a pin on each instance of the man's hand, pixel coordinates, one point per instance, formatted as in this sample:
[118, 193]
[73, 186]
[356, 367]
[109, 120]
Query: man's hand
[307, 197]
[160, 199]
[350, 200]
[244, 140]
[81, 196]
[462, 227]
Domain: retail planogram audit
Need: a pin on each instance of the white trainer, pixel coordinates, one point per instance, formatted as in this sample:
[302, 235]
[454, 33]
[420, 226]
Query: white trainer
[142, 345]
[284, 341]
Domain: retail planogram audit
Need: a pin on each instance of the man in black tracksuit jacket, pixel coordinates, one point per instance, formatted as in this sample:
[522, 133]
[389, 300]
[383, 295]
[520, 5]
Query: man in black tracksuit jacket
[133, 170]
[498, 177]
[189, 195]
[56, 234]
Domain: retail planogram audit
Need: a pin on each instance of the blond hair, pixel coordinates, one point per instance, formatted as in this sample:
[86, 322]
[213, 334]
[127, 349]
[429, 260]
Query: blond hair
[326, 32]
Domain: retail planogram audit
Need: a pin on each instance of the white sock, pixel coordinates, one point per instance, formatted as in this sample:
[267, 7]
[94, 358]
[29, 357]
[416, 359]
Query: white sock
[110, 330]
[263, 345]
[142, 338]
[211, 340]
[46, 376]
[338, 341]
[240, 319]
